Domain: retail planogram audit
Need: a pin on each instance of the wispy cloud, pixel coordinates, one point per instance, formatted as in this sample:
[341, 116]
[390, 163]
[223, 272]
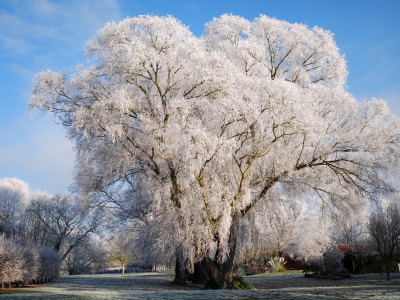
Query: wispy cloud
[41, 23]
[35, 35]
[37, 152]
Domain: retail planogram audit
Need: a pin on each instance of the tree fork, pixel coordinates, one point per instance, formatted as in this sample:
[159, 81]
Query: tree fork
[213, 272]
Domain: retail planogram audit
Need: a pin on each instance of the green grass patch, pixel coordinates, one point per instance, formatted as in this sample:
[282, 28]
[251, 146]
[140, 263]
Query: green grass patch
[238, 283]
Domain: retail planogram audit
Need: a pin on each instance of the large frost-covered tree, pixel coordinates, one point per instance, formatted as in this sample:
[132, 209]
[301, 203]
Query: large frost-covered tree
[212, 124]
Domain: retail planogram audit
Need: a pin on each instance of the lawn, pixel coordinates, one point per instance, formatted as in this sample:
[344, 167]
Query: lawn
[160, 286]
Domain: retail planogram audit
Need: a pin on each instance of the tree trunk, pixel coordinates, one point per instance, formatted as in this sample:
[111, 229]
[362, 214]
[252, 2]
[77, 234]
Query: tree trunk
[181, 272]
[213, 273]
[227, 267]
[123, 268]
[387, 267]
[200, 275]
[57, 247]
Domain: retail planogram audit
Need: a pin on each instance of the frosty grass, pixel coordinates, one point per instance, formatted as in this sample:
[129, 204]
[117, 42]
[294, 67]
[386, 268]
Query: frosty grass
[160, 286]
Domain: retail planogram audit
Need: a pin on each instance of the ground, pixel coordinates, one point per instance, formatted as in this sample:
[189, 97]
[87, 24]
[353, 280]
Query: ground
[160, 286]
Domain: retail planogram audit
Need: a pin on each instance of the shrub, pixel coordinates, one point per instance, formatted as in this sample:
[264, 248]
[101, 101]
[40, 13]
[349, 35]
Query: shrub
[32, 263]
[50, 262]
[238, 283]
[12, 261]
[312, 266]
[332, 263]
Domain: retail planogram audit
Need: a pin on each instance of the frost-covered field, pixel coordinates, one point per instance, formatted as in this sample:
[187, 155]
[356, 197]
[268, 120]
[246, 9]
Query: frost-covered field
[160, 286]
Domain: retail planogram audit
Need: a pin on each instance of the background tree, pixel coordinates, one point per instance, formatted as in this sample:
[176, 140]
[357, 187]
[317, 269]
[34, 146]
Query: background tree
[87, 257]
[281, 226]
[121, 250]
[269, 229]
[132, 210]
[384, 228]
[62, 222]
[13, 198]
[351, 237]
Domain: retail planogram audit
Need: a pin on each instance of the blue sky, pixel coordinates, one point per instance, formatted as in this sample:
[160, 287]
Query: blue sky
[40, 34]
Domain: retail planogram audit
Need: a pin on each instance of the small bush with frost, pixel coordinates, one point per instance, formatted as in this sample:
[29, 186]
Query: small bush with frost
[32, 263]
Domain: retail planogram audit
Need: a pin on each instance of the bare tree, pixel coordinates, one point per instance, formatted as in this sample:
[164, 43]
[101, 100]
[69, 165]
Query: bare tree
[61, 222]
[384, 228]
[121, 250]
[88, 256]
[351, 237]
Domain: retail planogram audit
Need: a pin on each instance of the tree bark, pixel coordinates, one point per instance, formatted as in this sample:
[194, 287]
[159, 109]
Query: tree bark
[181, 273]
[213, 272]
[227, 267]
[200, 275]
